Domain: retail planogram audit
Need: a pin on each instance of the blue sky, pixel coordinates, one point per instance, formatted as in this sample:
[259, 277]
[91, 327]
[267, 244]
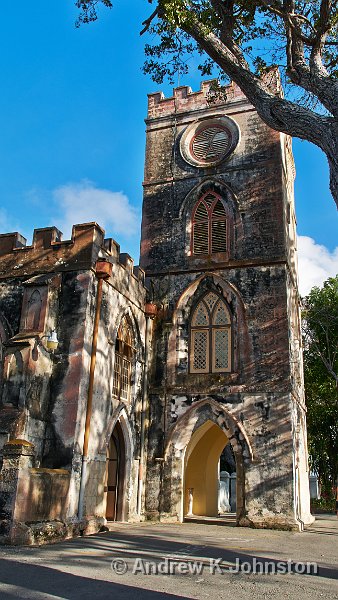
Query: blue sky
[72, 109]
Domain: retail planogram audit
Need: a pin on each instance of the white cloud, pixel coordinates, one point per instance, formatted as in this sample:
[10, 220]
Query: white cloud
[315, 263]
[84, 202]
[8, 224]
[4, 221]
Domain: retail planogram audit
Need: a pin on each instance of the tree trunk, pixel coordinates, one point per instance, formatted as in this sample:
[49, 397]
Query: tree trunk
[277, 112]
[313, 128]
[332, 157]
[294, 120]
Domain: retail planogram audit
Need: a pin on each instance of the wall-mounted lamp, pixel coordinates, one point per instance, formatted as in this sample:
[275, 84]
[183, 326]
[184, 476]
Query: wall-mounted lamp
[52, 341]
[51, 344]
[150, 310]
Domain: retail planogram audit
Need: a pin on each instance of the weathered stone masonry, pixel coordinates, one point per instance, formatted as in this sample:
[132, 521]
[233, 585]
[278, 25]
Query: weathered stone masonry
[117, 422]
[44, 394]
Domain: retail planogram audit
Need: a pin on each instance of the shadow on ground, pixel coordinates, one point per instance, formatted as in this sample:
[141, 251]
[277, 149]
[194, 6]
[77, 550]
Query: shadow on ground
[37, 582]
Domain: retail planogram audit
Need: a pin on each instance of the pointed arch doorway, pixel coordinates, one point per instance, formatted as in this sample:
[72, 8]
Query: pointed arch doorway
[201, 470]
[194, 449]
[115, 475]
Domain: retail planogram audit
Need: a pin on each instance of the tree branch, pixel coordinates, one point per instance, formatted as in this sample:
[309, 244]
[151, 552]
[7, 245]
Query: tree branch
[325, 361]
[148, 21]
[278, 113]
[313, 77]
[225, 10]
[325, 20]
[216, 25]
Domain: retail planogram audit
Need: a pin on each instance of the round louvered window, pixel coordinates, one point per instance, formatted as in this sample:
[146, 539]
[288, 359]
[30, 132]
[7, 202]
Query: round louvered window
[206, 143]
[210, 143]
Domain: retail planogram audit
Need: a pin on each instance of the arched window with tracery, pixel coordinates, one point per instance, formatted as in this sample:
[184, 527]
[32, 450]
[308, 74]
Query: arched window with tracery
[209, 226]
[123, 361]
[211, 336]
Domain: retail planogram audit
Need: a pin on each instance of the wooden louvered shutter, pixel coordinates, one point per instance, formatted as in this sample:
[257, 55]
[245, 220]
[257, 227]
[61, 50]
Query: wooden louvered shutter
[218, 228]
[209, 199]
[201, 238]
[210, 143]
[201, 230]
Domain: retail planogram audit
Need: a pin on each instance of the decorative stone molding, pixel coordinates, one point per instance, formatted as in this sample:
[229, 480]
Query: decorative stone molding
[209, 141]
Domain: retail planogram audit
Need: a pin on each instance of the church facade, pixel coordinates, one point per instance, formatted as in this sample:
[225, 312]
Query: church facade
[124, 388]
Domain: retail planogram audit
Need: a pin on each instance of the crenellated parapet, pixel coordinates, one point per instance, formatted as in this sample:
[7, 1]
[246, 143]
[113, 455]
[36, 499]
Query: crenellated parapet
[50, 253]
[185, 100]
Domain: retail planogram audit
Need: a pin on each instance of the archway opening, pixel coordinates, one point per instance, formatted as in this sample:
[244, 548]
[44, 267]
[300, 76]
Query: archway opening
[227, 495]
[115, 475]
[206, 488]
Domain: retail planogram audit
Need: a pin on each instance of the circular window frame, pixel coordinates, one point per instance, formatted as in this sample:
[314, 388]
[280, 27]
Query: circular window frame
[221, 122]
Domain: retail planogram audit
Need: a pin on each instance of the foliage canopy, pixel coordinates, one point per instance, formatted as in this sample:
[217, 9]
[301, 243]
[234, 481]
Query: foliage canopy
[320, 336]
[243, 39]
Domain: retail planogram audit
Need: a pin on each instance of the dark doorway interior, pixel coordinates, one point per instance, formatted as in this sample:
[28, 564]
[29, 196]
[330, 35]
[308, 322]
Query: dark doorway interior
[115, 474]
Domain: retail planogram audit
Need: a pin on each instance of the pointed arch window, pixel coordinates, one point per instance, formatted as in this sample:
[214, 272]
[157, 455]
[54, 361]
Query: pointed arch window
[33, 311]
[209, 226]
[13, 379]
[211, 336]
[123, 361]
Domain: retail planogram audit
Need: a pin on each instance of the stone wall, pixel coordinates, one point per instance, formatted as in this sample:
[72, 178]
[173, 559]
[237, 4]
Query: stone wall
[30, 497]
[44, 393]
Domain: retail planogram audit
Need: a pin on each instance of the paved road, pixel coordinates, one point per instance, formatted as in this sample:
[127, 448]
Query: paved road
[82, 568]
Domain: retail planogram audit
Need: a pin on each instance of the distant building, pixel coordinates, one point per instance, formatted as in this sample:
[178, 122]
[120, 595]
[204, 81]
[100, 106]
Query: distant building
[156, 369]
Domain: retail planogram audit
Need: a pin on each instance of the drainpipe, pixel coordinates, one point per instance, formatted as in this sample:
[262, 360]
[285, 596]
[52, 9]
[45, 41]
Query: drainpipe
[103, 271]
[150, 312]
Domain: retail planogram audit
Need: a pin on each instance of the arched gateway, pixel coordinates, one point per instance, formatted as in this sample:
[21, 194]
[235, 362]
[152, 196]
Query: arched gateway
[194, 449]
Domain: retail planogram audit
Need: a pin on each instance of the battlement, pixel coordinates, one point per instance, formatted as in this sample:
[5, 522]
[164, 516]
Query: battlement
[185, 100]
[50, 253]
[48, 238]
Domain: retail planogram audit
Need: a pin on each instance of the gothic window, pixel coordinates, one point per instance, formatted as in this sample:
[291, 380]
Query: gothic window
[210, 336]
[13, 373]
[33, 312]
[123, 361]
[34, 308]
[209, 226]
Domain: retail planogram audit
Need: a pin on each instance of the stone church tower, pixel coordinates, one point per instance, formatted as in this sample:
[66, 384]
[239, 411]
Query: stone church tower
[219, 251]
